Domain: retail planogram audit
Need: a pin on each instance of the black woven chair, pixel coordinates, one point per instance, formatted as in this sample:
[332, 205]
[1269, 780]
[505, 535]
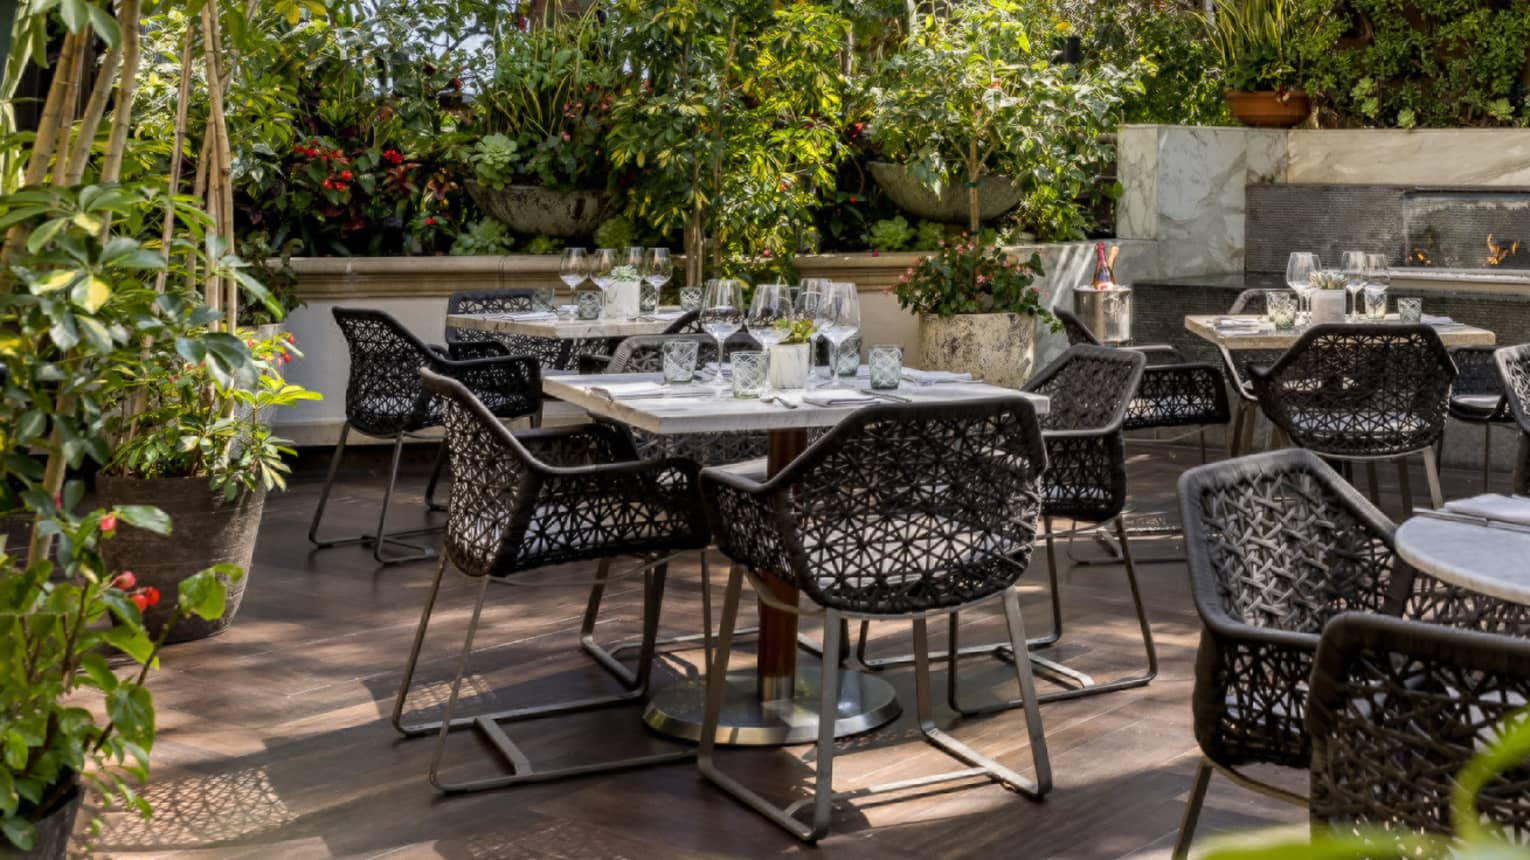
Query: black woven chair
[384, 399]
[1363, 393]
[1514, 370]
[1396, 711]
[687, 323]
[1477, 397]
[866, 524]
[1236, 364]
[551, 353]
[541, 498]
[645, 356]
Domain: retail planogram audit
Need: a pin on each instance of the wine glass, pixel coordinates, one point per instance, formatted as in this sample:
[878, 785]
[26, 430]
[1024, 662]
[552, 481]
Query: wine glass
[600, 268]
[657, 267]
[844, 317]
[813, 305]
[633, 257]
[1353, 265]
[574, 268]
[770, 314]
[722, 313]
[1299, 268]
[1377, 270]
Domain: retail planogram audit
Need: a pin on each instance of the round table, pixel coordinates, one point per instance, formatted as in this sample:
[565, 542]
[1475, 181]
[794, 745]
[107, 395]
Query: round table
[1485, 559]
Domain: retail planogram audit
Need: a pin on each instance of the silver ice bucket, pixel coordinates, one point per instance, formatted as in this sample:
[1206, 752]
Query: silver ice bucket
[1108, 312]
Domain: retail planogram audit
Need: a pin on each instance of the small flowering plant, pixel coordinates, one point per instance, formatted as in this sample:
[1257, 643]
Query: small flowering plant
[74, 656]
[964, 277]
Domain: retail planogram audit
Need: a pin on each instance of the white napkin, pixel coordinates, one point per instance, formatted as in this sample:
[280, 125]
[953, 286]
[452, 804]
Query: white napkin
[837, 397]
[640, 390]
[1426, 319]
[1239, 323]
[933, 377]
[1490, 506]
[667, 316]
[530, 316]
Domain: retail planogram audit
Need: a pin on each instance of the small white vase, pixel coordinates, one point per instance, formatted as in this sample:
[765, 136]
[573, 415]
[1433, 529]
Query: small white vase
[1327, 306]
[789, 365]
[622, 298]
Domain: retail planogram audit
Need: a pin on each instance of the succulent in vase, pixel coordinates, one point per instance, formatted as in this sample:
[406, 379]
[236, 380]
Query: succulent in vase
[796, 331]
[1326, 280]
[625, 273]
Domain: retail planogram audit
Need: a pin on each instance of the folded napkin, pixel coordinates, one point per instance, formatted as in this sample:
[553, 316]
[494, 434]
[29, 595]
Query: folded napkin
[1426, 319]
[1508, 509]
[837, 397]
[1239, 322]
[529, 316]
[667, 316]
[640, 390]
[933, 377]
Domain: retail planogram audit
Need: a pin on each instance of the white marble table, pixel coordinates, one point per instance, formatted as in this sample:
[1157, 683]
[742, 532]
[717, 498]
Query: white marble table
[1266, 337]
[1479, 558]
[563, 329]
[775, 703]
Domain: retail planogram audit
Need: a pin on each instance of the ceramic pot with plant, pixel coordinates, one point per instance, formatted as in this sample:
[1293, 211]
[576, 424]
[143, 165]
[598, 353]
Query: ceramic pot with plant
[1263, 46]
[1327, 297]
[978, 311]
[624, 292]
[792, 359]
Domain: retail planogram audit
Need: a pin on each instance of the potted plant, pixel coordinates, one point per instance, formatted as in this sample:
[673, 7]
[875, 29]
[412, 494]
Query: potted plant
[1327, 297]
[792, 358]
[977, 311]
[624, 292]
[1260, 44]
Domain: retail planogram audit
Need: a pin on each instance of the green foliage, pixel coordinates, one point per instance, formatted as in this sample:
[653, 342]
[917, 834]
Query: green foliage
[890, 234]
[795, 331]
[493, 160]
[543, 245]
[1265, 44]
[1179, 65]
[928, 235]
[965, 277]
[1434, 63]
[616, 232]
[973, 92]
[486, 237]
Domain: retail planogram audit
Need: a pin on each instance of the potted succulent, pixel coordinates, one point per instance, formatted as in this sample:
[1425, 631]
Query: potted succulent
[792, 358]
[1327, 297]
[1260, 44]
[624, 292]
[977, 311]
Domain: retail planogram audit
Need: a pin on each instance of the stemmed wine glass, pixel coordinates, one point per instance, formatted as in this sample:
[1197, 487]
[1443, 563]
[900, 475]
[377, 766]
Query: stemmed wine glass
[770, 315]
[657, 267]
[722, 313]
[1299, 268]
[574, 268]
[600, 268]
[813, 304]
[1353, 266]
[843, 316]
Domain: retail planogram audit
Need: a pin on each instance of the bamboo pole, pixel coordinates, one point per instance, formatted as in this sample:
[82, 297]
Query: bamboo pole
[66, 118]
[90, 120]
[127, 90]
[219, 169]
[44, 143]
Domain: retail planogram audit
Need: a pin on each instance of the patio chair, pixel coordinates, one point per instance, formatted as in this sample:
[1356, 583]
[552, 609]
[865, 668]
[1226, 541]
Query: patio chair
[1514, 369]
[645, 356]
[533, 500]
[866, 525]
[551, 353]
[1363, 393]
[1246, 409]
[1477, 397]
[1396, 711]
[384, 399]
[687, 323]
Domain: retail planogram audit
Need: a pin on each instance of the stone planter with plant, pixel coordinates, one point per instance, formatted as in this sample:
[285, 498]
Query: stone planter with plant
[792, 359]
[1263, 46]
[977, 310]
[1327, 297]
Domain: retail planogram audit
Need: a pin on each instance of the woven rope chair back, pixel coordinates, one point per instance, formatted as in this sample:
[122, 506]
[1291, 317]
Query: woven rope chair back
[1397, 710]
[687, 323]
[1361, 390]
[645, 353]
[908, 508]
[546, 350]
[1280, 541]
[383, 395]
[1514, 370]
[1476, 372]
[1077, 333]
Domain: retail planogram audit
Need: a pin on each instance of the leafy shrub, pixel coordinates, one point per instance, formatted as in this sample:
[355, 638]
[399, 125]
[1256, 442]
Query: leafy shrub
[890, 234]
[543, 245]
[928, 235]
[616, 232]
[1179, 82]
[965, 277]
[485, 238]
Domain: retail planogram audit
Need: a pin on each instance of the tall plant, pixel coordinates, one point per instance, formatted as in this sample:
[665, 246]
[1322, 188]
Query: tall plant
[1263, 44]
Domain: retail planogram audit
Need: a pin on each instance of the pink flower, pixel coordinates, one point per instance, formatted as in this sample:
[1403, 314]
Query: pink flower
[125, 580]
[109, 523]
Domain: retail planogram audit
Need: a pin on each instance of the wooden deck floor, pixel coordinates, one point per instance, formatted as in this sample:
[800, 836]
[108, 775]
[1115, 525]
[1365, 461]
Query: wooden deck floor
[274, 741]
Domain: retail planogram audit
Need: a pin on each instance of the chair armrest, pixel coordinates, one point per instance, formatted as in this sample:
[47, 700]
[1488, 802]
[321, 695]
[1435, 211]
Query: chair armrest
[579, 445]
[594, 363]
[745, 521]
[1158, 353]
[509, 385]
[476, 349]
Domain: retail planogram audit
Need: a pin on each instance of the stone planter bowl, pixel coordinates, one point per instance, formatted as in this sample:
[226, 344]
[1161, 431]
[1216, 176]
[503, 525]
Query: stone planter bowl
[996, 195]
[1268, 108]
[999, 349]
[544, 211]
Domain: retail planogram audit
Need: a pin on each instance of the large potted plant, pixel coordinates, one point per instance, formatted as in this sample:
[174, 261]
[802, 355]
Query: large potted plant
[977, 119]
[1261, 45]
[977, 310]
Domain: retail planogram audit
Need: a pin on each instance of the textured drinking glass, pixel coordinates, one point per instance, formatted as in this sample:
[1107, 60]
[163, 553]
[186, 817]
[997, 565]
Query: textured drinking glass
[886, 363]
[1410, 311]
[590, 304]
[690, 298]
[648, 297]
[679, 361]
[1281, 306]
[1375, 302]
[542, 298]
[748, 373]
[847, 356]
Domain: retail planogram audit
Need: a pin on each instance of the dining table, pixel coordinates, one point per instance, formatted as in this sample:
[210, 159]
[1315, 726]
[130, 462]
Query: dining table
[1479, 554]
[1255, 332]
[556, 326]
[776, 702]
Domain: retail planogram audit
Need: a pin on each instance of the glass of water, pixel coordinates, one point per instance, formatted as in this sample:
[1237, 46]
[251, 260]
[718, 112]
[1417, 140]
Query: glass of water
[749, 370]
[690, 298]
[1281, 306]
[886, 364]
[1410, 311]
[679, 361]
[1375, 302]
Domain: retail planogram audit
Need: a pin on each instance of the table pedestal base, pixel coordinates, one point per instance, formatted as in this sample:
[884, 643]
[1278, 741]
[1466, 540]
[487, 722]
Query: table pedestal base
[865, 702]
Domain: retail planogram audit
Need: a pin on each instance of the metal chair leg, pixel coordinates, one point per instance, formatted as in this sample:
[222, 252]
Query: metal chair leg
[521, 769]
[435, 478]
[1487, 453]
[1432, 474]
[1201, 436]
[1405, 485]
[1239, 411]
[1193, 805]
[1522, 465]
[1372, 483]
[380, 538]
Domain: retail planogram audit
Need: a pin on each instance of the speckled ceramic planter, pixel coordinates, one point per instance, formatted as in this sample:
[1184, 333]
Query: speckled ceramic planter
[999, 349]
[539, 211]
[996, 195]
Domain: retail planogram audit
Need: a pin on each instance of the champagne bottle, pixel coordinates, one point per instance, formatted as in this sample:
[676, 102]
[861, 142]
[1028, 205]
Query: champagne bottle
[1102, 280]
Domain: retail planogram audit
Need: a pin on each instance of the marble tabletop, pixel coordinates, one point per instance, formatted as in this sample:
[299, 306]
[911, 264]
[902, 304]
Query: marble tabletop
[1266, 337]
[565, 329]
[723, 413]
[1475, 557]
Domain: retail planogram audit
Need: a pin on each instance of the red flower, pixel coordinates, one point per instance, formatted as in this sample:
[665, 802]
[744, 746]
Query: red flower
[139, 601]
[852, 200]
[125, 580]
[339, 186]
[393, 156]
[109, 523]
[765, 253]
[58, 500]
[151, 595]
[430, 222]
[346, 175]
[327, 184]
[875, 252]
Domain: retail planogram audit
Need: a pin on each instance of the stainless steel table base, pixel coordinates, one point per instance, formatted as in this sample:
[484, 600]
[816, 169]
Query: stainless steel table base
[865, 702]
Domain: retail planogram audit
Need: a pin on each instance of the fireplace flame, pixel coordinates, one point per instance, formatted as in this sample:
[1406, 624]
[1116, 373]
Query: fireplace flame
[1497, 252]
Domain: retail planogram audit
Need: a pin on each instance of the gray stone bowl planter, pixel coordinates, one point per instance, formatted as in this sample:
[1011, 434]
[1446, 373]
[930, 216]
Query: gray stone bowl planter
[205, 530]
[53, 831]
[996, 195]
[999, 349]
[544, 211]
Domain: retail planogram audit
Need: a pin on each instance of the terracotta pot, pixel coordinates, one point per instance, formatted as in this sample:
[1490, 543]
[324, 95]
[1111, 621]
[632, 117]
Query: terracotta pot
[1268, 108]
[789, 365]
[542, 211]
[52, 829]
[206, 530]
[999, 349]
[996, 195]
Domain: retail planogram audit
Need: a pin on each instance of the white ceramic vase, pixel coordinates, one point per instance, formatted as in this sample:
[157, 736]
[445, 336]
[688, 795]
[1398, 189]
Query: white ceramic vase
[789, 365]
[1327, 306]
[622, 298]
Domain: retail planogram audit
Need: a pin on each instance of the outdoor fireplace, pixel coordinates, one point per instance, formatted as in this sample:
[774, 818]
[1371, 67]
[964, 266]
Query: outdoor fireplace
[1481, 228]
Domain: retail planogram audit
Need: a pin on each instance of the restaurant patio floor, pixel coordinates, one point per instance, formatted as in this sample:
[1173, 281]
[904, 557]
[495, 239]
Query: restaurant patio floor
[274, 739]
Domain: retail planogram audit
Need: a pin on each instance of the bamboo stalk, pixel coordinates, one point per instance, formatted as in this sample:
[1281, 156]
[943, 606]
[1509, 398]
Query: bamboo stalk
[44, 143]
[66, 118]
[90, 120]
[127, 90]
[177, 154]
[220, 169]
